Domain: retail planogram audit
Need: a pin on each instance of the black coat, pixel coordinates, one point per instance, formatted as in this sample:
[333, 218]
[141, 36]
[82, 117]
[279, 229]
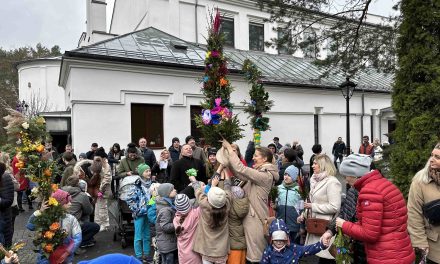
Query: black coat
[149, 157]
[178, 172]
[174, 153]
[338, 148]
[6, 199]
[162, 175]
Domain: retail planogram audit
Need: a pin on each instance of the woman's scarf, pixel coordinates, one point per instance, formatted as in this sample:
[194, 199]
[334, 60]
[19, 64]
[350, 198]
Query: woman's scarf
[317, 177]
[435, 175]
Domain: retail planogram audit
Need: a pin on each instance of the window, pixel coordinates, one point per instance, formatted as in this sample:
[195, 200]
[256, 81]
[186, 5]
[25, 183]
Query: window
[147, 121]
[256, 37]
[195, 131]
[284, 37]
[309, 44]
[227, 28]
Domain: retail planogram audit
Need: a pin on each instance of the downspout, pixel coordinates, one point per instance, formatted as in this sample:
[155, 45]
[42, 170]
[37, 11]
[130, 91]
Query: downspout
[196, 21]
[363, 113]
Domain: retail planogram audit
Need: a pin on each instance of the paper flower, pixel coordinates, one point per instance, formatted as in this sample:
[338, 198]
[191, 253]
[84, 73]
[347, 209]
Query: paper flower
[215, 54]
[48, 248]
[40, 148]
[54, 226]
[37, 213]
[208, 54]
[206, 116]
[49, 234]
[206, 78]
[191, 172]
[215, 119]
[25, 125]
[47, 172]
[53, 201]
[223, 82]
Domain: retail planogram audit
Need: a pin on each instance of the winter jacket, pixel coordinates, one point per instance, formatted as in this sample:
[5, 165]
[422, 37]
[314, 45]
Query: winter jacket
[382, 219]
[106, 180]
[149, 157]
[300, 151]
[6, 200]
[239, 210]
[186, 238]
[338, 148]
[259, 182]
[290, 254]
[162, 175]
[115, 158]
[287, 205]
[178, 172]
[127, 165]
[297, 163]
[367, 149]
[80, 206]
[174, 153]
[421, 232]
[212, 242]
[199, 153]
[68, 171]
[165, 232]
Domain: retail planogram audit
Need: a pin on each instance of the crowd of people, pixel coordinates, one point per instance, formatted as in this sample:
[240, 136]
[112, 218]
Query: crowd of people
[197, 204]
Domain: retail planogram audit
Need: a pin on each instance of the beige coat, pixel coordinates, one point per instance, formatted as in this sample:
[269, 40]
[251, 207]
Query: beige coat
[326, 202]
[257, 188]
[421, 232]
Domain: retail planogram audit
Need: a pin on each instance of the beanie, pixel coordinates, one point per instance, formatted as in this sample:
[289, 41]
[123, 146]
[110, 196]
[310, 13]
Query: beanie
[292, 171]
[216, 197]
[356, 165]
[141, 168]
[100, 152]
[237, 192]
[188, 138]
[83, 156]
[165, 189]
[212, 151]
[61, 196]
[174, 140]
[72, 181]
[82, 185]
[182, 203]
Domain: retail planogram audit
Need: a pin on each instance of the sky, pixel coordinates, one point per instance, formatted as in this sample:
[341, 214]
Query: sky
[61, 22]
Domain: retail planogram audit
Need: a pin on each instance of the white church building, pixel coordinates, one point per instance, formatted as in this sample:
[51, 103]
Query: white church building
[140, 78]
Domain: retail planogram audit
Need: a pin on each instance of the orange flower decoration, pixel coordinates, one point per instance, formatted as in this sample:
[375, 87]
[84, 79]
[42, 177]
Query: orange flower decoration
[223, 82]
[19, 165]
[54, 187]
[54, 226]
[47, 172]
[48, 248]
[49, 234]
[40, 148]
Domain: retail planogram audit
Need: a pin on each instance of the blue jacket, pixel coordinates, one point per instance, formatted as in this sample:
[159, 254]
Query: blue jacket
[288, 201]
[290, 254]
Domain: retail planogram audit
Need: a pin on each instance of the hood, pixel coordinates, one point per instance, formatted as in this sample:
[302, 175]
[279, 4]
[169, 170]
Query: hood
[162, 202]
[73, 191]
[241, 206]
[278, 225]
[272, 169]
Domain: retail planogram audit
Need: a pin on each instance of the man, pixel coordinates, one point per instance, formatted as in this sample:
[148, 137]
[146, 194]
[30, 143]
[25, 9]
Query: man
[276, 141]
[147, 154]
[197, 152]
[52, 152]
[175, 149]
[179, 178]
[299, 149]
[382, 214]
[69, 163]
[69, 149]
[338, 151]
[128, 164]
[366, 148]
[90, 154]
[81, 208]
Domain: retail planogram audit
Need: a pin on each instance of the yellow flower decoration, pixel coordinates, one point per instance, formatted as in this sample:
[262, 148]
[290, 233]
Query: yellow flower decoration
[53, 201]
[208, 54]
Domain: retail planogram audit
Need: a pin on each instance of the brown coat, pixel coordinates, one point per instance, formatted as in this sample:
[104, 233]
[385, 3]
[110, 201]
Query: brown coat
[257, 188]
[239, 210]
[421, 232]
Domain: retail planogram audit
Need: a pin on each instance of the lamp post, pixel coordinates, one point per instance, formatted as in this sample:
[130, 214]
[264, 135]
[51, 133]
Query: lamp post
[347, 89]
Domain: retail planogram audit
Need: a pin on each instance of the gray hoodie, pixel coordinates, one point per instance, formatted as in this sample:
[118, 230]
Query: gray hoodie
[80, 206]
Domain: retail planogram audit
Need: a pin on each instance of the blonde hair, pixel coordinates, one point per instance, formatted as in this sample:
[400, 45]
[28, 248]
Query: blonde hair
[423, 174]
[153, 189]
[4, 158]
[325, 164]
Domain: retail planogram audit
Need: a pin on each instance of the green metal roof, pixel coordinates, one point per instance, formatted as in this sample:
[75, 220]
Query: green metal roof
[152, 46]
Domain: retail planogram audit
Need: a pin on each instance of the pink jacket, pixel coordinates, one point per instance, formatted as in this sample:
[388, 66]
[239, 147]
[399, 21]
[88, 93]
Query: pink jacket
[185, 240]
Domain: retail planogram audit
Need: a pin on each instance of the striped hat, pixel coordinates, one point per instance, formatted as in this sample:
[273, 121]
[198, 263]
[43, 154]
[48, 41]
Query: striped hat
[182, 203]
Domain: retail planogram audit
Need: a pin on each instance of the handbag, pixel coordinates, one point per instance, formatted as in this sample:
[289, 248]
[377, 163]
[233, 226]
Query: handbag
[315, 226]
[431, 211]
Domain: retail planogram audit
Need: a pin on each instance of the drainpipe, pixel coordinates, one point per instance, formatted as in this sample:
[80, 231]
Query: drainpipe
[196, 21]
[363, 113]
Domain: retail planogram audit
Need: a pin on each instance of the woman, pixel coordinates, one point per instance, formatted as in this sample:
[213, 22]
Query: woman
[425, 188]
[260, 180]
[325, 199]
[4, 158]
[161, 170]
[6, 199]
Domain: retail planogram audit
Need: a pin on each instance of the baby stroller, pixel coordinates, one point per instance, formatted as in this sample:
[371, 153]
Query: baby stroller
[125, 223]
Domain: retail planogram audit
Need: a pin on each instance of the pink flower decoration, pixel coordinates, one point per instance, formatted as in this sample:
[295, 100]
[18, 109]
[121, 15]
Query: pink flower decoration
[215, 54]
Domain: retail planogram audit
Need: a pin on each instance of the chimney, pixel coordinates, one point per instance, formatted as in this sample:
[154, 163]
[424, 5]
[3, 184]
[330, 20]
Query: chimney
[96, 21]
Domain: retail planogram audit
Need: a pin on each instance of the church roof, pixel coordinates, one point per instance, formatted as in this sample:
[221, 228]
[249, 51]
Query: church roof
[152, 46]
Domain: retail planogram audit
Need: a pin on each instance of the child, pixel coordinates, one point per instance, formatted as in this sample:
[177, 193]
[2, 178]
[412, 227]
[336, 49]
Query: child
[165, 237]
[212, 235]
[239, 210]
[287, 207]
[185, 222]
[68, 223]
[152, 219]
[282, 251]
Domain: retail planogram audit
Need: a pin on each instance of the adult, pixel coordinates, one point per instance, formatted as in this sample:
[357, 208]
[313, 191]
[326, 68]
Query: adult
[259, 181]
[211, 164]
[81, 208]
[52, 153]
[297, 146]
[175, 149]
[378, 150]
[198, 152]
[324, 199]
[338, 151]
[316, 149]
[425, 188]
[161, 170]
[115, 155]
[68, 149]
[147, 154]
[91, 153]
[179, 178]
[366, 147]
[128, 164]
[290, 158]
[382, 214]
[276, 141]
[4, 157]
[6, 200]
[69, 162]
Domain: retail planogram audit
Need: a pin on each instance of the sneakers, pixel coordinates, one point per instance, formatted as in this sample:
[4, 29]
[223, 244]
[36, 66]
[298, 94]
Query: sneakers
[88, 244]
[146, 259]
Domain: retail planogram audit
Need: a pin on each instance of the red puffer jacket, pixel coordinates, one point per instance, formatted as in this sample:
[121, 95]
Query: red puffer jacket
[383, 216]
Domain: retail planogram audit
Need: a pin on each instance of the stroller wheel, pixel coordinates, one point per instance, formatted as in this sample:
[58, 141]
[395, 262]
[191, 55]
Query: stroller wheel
[123, 243]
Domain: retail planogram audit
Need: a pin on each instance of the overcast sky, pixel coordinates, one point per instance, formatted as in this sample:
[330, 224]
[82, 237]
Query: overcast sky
[61, 22]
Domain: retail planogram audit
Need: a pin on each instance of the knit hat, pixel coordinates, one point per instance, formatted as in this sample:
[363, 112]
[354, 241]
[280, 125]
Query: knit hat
[72, 181]
[142, 168]
[356, 165]
[165, 189]
[62, 197]
[278, 230]
[175, 139]
[83, 156]
[237, 192]
[182, 203]
[292, 171]
[216, 197]
[212, 151]
[82, 185]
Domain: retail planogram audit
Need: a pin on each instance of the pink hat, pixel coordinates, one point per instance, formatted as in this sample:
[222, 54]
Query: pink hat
[62, 197]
